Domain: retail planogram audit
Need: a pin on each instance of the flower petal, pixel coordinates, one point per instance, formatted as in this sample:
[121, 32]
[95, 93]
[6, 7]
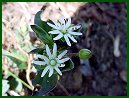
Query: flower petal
[53, 26]
[51, 71]
[58, 70]
[75, 33]
[42, 57]
[63, 60]
[45, 71]
[62, 54]
[58, 37]
[68, 22]
[38, 62]
[54, 32]
[72, 38]
[55, 50]
[56, 23]
[74, 28]
[48, 51]
[67, 40]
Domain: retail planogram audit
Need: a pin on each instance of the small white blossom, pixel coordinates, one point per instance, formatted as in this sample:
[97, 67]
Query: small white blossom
[51, 61]
[64, 28]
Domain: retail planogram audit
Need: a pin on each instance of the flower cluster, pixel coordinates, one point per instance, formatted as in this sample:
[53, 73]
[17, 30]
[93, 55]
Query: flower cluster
[53, 60]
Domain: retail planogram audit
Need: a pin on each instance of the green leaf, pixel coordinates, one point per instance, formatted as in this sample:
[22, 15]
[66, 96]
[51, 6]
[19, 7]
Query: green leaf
[37, 79]
[15, 53]
[37, 67]
[68, 66]
[38, 50]
[85, 54]
[19, 55]
[47, 83]
[15, 84]
[42, 35]
[5, 87]
[41, 23]
[17, 58]
[20, 64]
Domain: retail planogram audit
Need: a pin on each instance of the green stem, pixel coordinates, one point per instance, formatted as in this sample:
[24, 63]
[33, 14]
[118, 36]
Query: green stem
[28, 86]
[73, 55]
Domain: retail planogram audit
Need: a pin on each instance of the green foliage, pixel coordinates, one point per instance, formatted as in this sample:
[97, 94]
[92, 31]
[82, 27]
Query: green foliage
[41, 29]
[68, 66]
[15, 84]
[46, 83]
[40, 23]
[42, 35]
[37, 50]
[18, 58]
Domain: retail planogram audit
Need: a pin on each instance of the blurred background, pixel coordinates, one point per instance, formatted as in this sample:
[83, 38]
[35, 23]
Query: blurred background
[104, 27]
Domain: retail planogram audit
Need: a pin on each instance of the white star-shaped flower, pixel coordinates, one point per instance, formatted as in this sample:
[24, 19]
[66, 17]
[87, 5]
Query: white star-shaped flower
[64, 29]
[51, 61]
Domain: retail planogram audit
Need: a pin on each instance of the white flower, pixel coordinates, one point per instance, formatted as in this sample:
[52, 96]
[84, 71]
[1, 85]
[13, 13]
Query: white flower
[64, 28]
[51, 61]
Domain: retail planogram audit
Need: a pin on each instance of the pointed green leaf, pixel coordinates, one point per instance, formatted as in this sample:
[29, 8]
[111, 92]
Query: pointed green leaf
[42, 35]
[20, 64]
[47, 83]
[41, 23]
[38, 50]
[37, 79]
[15, 84]
[17, 58]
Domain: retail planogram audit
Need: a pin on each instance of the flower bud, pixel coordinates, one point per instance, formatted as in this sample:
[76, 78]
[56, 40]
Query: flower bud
[85, 54]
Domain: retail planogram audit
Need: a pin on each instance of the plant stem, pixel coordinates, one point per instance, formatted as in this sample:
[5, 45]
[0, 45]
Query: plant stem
[73, 54]
[13, 75]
